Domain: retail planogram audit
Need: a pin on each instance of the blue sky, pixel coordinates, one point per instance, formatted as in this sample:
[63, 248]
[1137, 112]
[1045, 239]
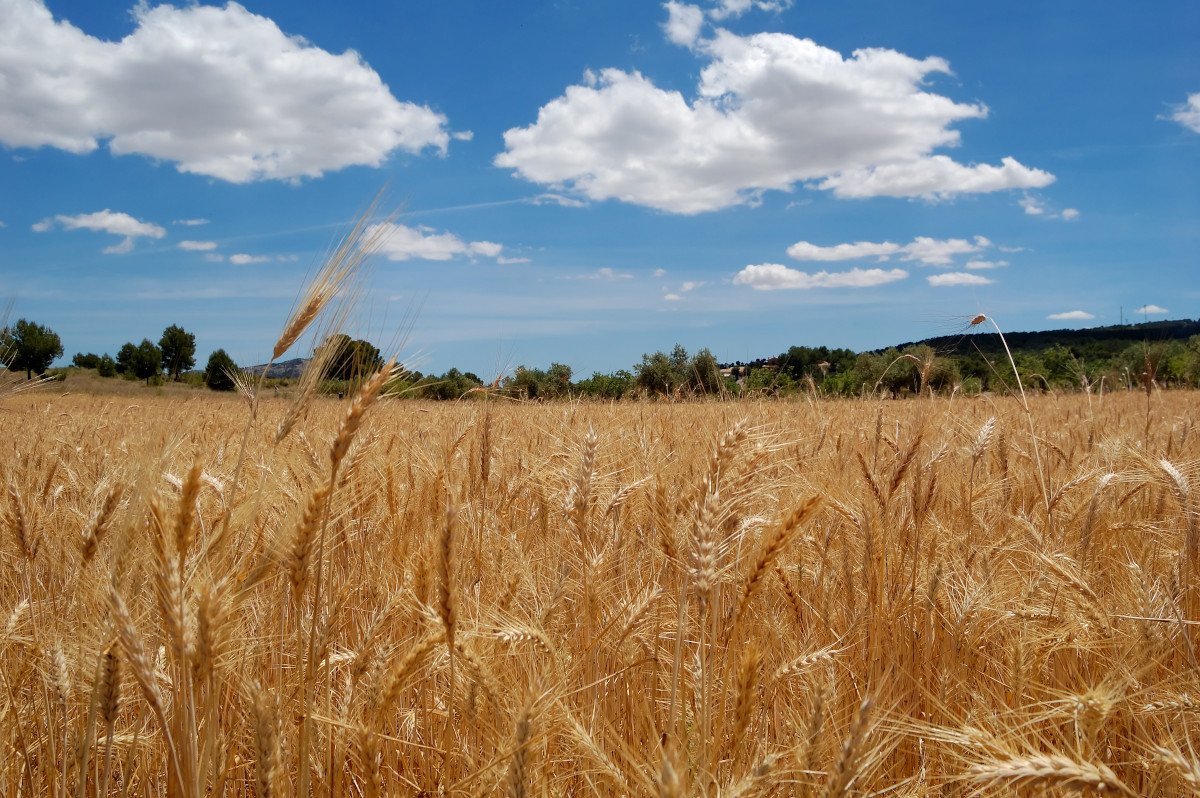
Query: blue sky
[586, 181]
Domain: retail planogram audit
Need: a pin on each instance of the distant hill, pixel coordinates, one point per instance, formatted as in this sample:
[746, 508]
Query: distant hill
[291, 369]
[1089, 342]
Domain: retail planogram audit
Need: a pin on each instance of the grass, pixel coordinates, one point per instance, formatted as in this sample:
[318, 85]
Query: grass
[817, 598]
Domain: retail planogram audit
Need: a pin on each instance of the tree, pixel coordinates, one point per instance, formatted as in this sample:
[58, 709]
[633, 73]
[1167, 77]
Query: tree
[218, 374]
[178, 350]
[88, 361]
[146, 361]
[125, 357]
[107, 367]
[354, 358]
[29, 346]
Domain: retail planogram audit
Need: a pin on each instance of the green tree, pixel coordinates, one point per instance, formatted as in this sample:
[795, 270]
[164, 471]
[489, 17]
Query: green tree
[146, 361]
[354, 358]
[705, 373]
[218, 374]
[125, 357]
[107, 367]
[660, 373]
[88, 361]
[29, 346]
[178, 350]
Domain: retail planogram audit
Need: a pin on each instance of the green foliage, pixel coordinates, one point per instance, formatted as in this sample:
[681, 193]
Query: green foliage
[218, 374]
[88, 361]
[354, 360]
[106, 367]
[178, 350]
[29, 347]
[607, 386]
[140, 362]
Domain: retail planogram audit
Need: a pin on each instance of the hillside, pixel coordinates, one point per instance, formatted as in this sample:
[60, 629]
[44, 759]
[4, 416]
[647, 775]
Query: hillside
[1091, 342]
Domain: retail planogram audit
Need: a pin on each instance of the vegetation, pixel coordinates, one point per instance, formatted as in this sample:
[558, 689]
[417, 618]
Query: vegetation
[218, 373]
[29, 347]
[178, 350]
[955, 595]
[635, 598]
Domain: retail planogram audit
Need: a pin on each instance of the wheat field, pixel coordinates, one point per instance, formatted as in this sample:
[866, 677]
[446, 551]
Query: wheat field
[484, 597]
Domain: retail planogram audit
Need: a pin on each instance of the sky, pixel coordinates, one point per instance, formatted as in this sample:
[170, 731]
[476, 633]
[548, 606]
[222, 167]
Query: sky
[586, 181]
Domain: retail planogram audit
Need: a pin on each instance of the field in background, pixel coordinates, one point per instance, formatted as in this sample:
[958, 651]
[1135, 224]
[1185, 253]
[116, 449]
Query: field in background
[782, 598]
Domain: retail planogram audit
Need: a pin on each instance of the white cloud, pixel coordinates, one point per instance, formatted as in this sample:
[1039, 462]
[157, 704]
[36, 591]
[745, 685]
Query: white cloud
[463, 135]
[504, 261]
[770, 111]
[929, 251]
[773, 276]
[691, 285]
[197, 246]
[934, 177]
[242, 259]
[605, 273]
[803, 250]
[1036, 207]
[219, 91]
[190, 222]
[121, 224]
[1071, 315]
[672, 297]
[557, 199]
[936, 252]
[659, 272]
[683, 24]
[487, 248]
[1188, 114]
[735, 8]
[985, 264]
[958, 278]
[2, 224]
[1152, 310]
[401, 242]
[1032, 206]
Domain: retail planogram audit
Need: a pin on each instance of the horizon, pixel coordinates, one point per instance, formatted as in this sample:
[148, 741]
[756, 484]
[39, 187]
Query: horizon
[586, 183]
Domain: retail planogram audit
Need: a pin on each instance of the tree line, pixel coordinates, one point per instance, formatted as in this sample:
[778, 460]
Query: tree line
[1077, 361]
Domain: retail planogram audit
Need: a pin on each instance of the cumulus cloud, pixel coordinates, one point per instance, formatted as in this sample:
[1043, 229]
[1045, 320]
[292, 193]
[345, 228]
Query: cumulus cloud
[684, 23]
[504, 261]
[770, 111]
[218, 91]
[1152, 310]
[197, 246]
[985, 264]
[1069, 214]
[107, 221]
[958, 278]
[241, 259]
[929, 251]
[190, 222]
[774, 276]
[1071, 315]
[672, 297]
[1188, 114]
[401, 242]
